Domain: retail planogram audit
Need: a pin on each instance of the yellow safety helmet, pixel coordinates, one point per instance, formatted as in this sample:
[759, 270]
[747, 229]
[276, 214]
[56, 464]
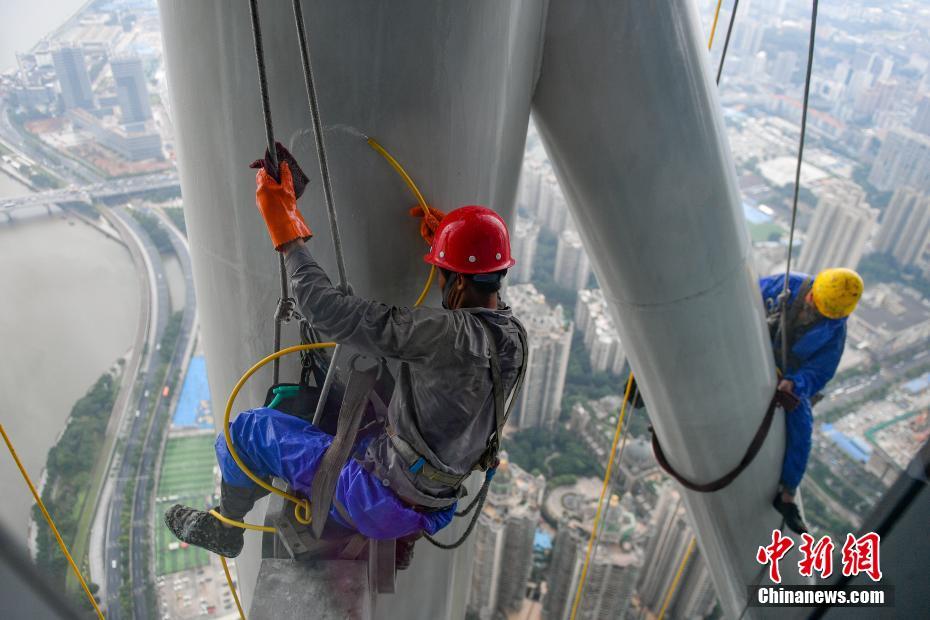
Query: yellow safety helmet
[836, 292]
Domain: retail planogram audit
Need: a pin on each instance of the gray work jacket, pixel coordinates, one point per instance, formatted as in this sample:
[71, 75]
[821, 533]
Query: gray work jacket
[442, 404]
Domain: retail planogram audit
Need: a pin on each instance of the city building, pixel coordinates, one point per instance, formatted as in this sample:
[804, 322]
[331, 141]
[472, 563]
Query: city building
[889, 319]
[550, 342]
[523, 249]
[503, 551]
[839, 230]
[905, 231]
[920, 121]
[694, 596]
[903, 161]
[133, 141]
[572, 267]
[610, 583]
[131, 90]
[71, 71]
[786, 63]
[601, 340]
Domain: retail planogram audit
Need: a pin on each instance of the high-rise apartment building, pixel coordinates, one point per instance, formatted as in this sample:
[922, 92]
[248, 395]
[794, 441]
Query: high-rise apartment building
[920, 122]
[572, 267]
[131, 91]
[503, 555]
[73, 78]
[609, 585]
[903, 161]
[905, 231]
[601, 340]
[550, 342]
[839, 230]
[694, 596]
[523, 247]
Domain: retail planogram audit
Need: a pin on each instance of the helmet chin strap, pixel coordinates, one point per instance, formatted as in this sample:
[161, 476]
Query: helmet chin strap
[447, 289]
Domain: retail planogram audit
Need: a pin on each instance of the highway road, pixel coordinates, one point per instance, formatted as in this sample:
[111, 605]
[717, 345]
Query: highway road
[141, 565]
[138, 425]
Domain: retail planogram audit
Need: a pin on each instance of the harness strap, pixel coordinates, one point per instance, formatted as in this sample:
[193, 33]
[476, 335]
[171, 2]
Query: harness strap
[358, 387]
[786, 332]
[502, 408]
[420, 465]
[780, 399]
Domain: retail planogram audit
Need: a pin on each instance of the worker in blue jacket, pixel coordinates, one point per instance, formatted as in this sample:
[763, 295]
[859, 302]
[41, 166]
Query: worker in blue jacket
[816, 310]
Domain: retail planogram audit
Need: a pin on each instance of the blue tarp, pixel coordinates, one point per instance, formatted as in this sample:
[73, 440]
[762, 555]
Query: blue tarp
[754, 215]
[918, 385]
[193, 410]
[855, 448]
[542, 541]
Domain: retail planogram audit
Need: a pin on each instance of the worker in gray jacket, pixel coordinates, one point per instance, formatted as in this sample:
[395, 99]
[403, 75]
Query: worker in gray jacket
[444, 419]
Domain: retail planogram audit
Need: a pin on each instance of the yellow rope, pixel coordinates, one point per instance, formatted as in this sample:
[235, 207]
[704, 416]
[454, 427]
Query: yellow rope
[301, 504]
[674, 584]
[51, 523]
[416, 192]
[232, 588]
[240, 524]
[713, 28]
[600, 501]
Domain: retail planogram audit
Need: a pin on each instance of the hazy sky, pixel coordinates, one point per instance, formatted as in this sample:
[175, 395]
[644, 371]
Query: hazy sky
[24, 22]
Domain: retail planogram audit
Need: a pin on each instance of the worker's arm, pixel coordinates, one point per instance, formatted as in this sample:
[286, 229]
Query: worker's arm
[412, 334]
[771, 287]
[819, 368]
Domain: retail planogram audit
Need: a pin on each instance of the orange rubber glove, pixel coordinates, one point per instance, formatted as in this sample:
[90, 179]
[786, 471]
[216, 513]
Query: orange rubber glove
[278, 206]
[429, 222]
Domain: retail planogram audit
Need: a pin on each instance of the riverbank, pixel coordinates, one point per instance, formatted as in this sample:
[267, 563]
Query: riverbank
[70, 312]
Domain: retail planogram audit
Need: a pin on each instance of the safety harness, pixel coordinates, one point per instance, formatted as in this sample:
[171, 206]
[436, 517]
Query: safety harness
[420, 465]
[785, 330]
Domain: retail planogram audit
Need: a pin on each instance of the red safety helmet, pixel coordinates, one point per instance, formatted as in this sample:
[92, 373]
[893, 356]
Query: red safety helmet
[471, 240]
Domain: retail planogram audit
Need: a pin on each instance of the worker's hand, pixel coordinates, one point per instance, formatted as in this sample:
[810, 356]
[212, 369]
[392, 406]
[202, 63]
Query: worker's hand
[277, 203]
[284, 155]
[429, 222]
[786, 385]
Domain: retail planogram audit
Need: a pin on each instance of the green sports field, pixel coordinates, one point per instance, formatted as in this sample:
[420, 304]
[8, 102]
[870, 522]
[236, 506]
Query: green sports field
[186, 478]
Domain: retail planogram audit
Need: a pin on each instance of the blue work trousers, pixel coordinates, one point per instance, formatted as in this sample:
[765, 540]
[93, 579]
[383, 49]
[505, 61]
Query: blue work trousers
[799, 425]
[271, 443]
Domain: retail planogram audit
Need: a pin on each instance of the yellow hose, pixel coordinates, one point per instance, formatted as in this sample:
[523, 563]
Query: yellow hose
[232, 588]
[245, 526]
[713, 28]
[51, 523]
[416, 192]
[674, 585]
[600, 501]
[301, 505]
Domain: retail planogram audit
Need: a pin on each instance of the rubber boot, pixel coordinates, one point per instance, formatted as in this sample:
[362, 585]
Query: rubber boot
[791, 514]
[403, 554]
[201, 529]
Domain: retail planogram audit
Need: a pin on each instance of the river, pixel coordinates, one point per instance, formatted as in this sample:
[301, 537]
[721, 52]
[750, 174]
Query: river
[25, 22]
[69, 304]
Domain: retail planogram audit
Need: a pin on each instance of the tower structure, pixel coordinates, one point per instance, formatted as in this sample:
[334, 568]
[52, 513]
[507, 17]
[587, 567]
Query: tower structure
[71, 71]
[523, 241]
[550, 342]
[905, 231]
[572, 267]
[131, 91]
[672, 535]
[839, 230]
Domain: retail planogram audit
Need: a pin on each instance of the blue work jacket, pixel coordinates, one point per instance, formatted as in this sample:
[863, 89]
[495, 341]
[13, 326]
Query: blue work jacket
[817, 351]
